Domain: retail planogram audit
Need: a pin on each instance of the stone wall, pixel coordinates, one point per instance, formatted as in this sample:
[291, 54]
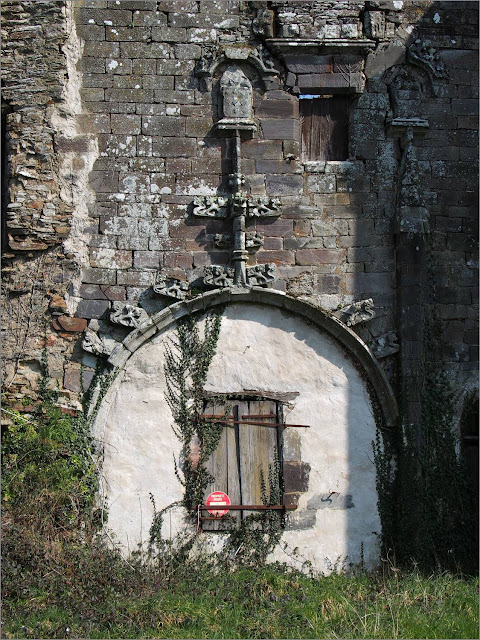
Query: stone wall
[111, 136]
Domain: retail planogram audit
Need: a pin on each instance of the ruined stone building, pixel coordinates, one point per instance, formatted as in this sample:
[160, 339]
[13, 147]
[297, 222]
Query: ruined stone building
[309, 168]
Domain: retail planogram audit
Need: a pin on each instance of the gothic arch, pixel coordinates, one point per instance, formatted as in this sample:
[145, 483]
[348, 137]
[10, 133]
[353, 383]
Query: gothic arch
[327, 323]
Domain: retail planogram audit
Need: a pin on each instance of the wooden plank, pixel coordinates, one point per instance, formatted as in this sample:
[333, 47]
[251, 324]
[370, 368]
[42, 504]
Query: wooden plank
[257, 447]
[217, 466]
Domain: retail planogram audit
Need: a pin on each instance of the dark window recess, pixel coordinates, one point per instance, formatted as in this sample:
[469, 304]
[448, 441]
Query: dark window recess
[245, 454]
[324, 127]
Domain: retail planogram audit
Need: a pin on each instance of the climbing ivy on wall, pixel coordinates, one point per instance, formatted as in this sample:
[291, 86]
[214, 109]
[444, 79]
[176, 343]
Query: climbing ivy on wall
[188, 358]
[424, 496]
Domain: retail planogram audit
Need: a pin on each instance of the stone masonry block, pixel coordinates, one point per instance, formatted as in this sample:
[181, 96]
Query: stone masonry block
[92, 308]
[102, 49]
[320, 256]
[136, 278]
[318, 183]
[143, 259]
[291, 445]
[98, 276]
[155, 50]
[174, 147]
[278, 257]
[110, 258]
[128, 34]
[117, 145]
[300, 520]
[188, 51]
[270, 149]
[280, 228]
[284, 185]
[94, 123]
[103, 17]
[104, 181]
[149, 18]
[71, 379]
[91, 292]
[125, 123]
[163, 126]
[275, 166]
[295, 475]
[169, 34]
[134, 5]
[280, 129]
[277, 109]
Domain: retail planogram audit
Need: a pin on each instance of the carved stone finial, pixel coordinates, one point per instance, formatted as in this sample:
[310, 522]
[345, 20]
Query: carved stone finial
[218, 276]
[127, 314]
[357, 312]
[171, 287]
[210, 206]
[261, 274]
[264, 207]
[425, 56]
[97, 344]
[385, 345]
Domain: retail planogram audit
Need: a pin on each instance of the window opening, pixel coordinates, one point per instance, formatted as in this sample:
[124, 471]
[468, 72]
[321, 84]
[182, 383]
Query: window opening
[325, 121]
[250, 442]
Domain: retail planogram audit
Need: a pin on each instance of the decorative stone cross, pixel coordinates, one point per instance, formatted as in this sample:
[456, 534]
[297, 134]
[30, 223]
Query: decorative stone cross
[238, 206]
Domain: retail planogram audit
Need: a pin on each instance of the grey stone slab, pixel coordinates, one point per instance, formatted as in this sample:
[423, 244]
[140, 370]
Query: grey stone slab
[299, 520]
[277, 109]
[284, 184]
[92, 308]
[98, 276]
[309, 63]
[331, 500]
[163, 126]
[280, 129]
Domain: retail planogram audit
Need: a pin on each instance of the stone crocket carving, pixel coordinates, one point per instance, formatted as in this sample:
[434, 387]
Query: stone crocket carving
[357, 312]
[127, 314]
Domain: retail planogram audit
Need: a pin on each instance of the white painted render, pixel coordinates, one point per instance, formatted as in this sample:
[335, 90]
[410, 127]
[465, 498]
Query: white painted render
[267, 350]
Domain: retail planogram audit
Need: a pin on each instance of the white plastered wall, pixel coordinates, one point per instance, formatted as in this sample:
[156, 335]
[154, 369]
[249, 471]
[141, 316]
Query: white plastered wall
[260, 348]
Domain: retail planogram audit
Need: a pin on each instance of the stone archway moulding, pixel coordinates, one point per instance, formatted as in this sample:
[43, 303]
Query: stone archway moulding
[331, 325]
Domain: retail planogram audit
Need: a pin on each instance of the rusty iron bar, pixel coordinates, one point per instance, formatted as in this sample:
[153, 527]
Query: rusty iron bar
[263, 424]
[246, 507]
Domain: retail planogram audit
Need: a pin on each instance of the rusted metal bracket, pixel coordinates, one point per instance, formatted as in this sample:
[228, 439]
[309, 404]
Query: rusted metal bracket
[261, 424]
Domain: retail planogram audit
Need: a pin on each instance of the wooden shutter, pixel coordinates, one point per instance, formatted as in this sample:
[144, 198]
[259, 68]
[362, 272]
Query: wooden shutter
[245, 453]
[325, 128]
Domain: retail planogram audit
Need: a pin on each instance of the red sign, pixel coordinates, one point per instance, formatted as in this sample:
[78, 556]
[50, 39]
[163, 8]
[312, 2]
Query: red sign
[218, 499]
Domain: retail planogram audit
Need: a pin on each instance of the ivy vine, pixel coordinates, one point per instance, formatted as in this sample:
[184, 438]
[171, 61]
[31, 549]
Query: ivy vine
[188, 358]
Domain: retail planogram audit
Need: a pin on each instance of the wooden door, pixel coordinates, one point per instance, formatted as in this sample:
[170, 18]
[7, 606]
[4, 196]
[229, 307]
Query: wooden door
[247, 450]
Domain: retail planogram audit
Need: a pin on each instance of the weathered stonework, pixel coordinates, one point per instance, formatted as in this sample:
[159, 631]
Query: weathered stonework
[153, 150]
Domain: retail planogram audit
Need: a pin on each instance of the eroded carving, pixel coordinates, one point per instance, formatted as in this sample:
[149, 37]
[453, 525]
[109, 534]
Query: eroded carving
[426, 57]
[357, 312]
[253, 240]
[237, 94]
[97, 344]
[223, 240]
[217, 276]
[171, 287]
[210, 206]
[385, 345]
[263, 207]
[261, 274]
[127, 314]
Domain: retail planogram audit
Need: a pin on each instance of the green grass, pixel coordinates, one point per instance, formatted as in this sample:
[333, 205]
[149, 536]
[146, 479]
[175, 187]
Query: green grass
[60, 581]
[270, 602]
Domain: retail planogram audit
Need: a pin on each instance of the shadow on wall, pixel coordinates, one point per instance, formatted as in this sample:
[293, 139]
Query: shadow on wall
[418, 179]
